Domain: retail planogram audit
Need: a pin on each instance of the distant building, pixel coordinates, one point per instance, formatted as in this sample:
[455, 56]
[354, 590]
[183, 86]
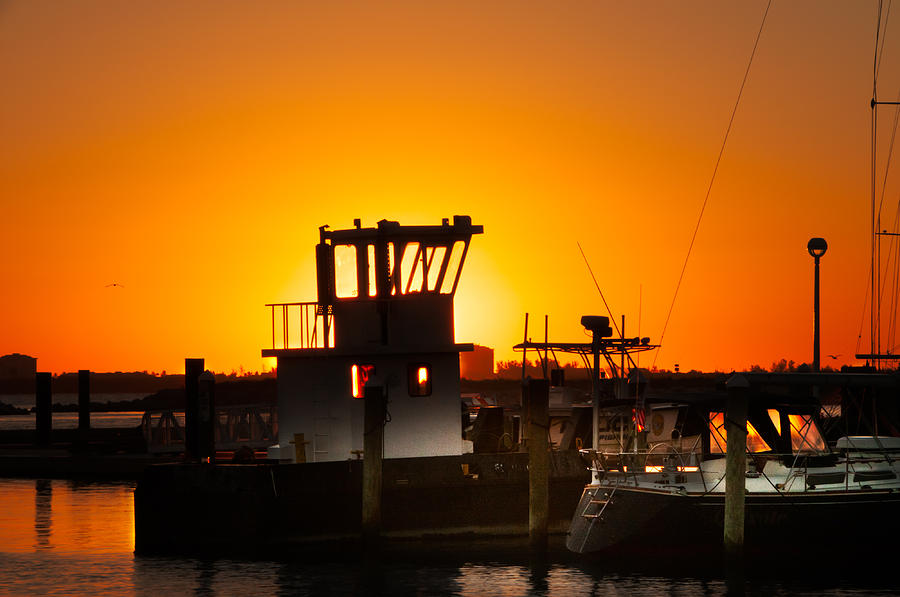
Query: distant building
[478, 364]
[17, 366]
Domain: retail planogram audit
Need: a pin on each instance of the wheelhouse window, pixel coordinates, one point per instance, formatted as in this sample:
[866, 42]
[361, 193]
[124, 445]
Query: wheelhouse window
[451, 278]
[412, 266]
[718, 436]
[345, 285]
[359, 375]
[419, 379]
[373, 280]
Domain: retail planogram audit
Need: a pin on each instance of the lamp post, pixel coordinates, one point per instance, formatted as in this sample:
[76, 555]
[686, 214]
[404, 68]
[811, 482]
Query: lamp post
[816, 248]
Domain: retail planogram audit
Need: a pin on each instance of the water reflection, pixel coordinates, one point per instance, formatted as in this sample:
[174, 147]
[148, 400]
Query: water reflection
[539, 572]
[185, 576]
[67, 537]
[43, 512]
[206, 578]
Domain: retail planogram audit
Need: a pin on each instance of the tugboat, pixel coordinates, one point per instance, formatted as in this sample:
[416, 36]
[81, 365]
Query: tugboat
[368, 380]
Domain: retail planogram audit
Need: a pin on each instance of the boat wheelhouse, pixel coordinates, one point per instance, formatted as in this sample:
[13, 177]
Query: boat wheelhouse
[383, 317]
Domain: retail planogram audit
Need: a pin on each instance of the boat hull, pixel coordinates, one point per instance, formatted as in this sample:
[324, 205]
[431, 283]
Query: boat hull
[202, 508]
[641, 520]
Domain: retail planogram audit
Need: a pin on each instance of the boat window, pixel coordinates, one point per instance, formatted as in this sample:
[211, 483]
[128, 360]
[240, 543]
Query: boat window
[448, 285]
[419, 379]
[718, 437]
[359, 375]
[805, 435]
[755, 442]
[412, 269]
[345, 271]
[435, 259]
[373, 281]
[775, 416]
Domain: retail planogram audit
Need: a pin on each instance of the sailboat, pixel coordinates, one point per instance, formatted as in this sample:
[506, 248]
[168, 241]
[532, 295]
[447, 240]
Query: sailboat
[817, 471]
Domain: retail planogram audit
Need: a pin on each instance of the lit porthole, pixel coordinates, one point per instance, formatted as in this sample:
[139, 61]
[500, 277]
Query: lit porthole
[419, 379]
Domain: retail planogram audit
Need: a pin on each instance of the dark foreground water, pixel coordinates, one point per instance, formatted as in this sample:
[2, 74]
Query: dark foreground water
[75, 538]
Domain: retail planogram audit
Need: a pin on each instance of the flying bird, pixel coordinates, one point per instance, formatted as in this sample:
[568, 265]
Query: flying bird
[834, 356]
[116, 284]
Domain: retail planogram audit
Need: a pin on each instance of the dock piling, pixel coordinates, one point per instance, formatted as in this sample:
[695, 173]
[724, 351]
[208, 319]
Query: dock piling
[735, 463]
[84, 401]
[373, 453]
[538, 393]
[192, 370]
[43, 405]
[206, 417]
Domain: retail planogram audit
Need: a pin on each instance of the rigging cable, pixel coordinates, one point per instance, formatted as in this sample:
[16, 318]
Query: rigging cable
[895, 290]
[594, 278]
[881, 277]
[887, 17]
[862, 319]
[713, 178]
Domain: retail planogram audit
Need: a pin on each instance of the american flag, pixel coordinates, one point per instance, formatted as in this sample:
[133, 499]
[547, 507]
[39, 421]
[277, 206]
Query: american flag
[638, 416]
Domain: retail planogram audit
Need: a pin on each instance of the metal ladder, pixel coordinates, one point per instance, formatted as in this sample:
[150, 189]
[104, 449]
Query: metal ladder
[595, 501]
[595, 516]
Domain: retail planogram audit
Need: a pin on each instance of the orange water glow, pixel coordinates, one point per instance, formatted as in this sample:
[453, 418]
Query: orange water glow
[189, 152]
[59, 515]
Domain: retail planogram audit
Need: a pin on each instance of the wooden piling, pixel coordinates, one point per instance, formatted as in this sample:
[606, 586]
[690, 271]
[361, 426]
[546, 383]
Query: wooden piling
[84, 401]
[538, 392]
[373, 453]
[192, 370]
[43, 405]
[206, 417]
[735, 463]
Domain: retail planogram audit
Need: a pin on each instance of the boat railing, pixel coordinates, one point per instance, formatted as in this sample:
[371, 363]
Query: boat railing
[800, 470]
[650, 460]
[301, 325]
[254, 426]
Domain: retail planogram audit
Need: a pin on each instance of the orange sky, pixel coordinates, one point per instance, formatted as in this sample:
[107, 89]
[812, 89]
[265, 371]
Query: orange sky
[189, 152]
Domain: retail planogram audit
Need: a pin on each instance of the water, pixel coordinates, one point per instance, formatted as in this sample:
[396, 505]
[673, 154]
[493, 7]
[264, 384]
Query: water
[27, 400]
[76, 538]
[70, 420]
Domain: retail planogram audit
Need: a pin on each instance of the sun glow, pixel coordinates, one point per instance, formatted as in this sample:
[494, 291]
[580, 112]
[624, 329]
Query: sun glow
[232, 155]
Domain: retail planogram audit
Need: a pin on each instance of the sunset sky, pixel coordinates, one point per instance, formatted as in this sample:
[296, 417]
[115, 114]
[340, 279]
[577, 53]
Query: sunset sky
[189, 151]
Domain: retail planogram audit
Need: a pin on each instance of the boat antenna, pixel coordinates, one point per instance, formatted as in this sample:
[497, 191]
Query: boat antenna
[640, 307]
[594, 278]
[713, 178]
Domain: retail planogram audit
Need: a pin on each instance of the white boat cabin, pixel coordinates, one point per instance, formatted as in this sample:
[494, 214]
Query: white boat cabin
[383, 318]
